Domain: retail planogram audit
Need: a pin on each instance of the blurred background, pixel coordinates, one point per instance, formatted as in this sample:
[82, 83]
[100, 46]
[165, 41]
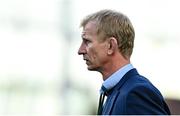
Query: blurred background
[41, 72]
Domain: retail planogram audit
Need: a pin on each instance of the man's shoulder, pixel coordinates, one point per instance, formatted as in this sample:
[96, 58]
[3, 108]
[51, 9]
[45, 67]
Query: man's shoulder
[134, 81]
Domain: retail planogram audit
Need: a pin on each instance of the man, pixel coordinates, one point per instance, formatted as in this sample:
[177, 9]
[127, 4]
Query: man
[107, 45]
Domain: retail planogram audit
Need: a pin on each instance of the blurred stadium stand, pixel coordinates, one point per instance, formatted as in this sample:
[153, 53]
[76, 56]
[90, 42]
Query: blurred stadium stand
[174, 106]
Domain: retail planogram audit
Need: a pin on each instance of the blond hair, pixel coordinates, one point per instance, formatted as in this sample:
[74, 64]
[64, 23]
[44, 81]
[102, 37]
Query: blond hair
[111, 23]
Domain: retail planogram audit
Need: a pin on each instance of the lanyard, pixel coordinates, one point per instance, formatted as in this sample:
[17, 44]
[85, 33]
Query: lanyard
[101, 101]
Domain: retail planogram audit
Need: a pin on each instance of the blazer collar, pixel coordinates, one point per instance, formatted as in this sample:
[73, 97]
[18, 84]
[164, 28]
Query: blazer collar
[128, 75]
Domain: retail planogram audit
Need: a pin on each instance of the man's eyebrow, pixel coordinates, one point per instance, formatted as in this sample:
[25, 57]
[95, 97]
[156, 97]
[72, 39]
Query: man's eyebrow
[84, 38]
[83, 35]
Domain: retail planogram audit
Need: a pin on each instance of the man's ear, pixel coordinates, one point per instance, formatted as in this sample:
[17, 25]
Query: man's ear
[112, 45]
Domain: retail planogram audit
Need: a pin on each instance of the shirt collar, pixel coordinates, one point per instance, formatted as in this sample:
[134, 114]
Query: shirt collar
[111, 81]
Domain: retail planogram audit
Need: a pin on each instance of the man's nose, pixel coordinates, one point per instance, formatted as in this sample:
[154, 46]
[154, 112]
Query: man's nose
[81, 50]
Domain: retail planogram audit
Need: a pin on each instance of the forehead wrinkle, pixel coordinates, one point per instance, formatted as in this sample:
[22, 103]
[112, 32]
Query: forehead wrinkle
[88, 32]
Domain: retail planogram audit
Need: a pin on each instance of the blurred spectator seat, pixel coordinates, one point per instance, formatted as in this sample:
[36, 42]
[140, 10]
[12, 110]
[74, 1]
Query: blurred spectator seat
[174, 106]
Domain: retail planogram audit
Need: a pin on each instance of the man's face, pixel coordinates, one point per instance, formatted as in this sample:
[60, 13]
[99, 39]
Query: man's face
[93, 51]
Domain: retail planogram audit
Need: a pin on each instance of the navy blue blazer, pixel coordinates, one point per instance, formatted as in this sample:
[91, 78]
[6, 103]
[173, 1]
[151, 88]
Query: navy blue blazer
[135, 95]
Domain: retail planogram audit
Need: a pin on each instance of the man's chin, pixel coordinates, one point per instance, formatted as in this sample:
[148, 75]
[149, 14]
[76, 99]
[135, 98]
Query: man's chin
[91, 68]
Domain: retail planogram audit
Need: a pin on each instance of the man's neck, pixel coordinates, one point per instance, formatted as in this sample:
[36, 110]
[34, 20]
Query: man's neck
[113, 66]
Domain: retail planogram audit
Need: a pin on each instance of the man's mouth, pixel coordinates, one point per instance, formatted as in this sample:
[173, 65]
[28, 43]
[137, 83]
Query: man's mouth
[87, 61]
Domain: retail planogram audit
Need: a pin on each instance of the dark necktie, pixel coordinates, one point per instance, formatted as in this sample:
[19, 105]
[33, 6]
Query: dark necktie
[101, 102]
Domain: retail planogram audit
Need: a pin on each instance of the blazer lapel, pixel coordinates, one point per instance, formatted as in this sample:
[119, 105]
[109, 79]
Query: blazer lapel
[109, 104]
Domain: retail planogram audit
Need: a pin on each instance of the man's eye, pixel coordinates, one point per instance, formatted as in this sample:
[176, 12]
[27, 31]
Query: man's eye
[86, 41]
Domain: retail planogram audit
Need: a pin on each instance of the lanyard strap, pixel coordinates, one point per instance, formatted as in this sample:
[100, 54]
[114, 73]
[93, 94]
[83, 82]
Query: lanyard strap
[101, 101]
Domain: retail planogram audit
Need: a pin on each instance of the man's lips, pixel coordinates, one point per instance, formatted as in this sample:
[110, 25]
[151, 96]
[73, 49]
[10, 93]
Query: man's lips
[84, 59]
[87, 61]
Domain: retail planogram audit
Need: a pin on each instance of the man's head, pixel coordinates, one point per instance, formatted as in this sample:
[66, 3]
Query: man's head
[113, 24]
[106, 36]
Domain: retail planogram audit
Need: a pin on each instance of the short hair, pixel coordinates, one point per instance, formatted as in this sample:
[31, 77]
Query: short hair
[111, 23]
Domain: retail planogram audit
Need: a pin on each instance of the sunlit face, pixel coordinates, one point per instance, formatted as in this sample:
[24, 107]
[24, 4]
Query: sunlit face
[94, 52]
